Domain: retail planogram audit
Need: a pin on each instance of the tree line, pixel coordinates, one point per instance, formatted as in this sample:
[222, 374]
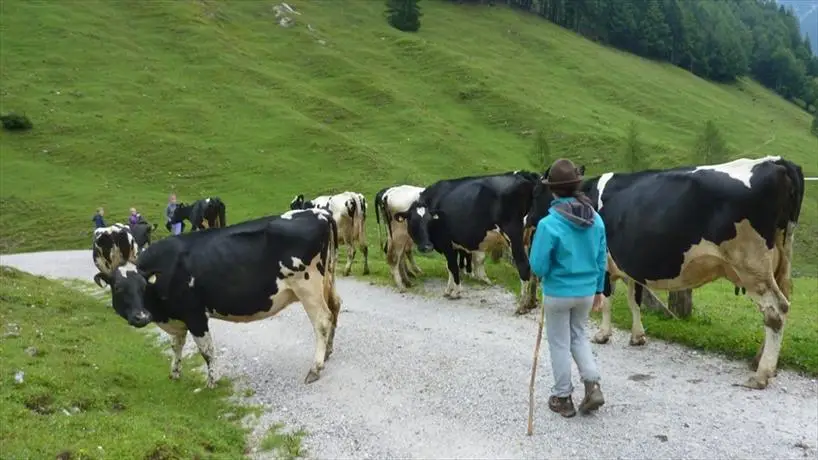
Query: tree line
[719, 40]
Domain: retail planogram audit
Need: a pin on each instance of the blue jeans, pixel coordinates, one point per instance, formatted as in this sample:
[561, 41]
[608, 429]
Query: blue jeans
[565, 319]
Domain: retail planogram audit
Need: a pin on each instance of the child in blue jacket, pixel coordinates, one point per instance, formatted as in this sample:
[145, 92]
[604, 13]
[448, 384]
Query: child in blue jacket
[569, 255]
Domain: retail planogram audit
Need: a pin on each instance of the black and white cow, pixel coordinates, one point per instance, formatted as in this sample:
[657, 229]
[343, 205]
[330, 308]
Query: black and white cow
[461, 213]
[349, 211]
[112, 247]
[141, 232]
[681, 228]
[398, 248]
[241, 273]
[211, 210]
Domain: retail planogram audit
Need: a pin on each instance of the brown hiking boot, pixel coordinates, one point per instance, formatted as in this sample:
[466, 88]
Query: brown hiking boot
[593, 398]
[563, 406]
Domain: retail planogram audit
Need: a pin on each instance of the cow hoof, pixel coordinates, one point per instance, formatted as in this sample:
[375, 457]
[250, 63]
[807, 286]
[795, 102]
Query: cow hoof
[211, 384]
[175, 375]
[637, 341]
[753, 365]
[601, 338]
[520, 311]
[312, 376]
[327, 354]
[754, 384]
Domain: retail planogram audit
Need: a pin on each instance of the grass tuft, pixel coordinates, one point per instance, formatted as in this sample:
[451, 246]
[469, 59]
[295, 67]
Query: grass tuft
[96, 388]
[285, 445]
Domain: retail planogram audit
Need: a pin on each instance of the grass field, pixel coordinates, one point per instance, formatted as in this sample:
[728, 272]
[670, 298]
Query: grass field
[95, 388]
[213, 98]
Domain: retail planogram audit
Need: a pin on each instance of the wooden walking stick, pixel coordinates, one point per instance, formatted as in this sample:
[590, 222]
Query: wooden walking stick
[534, 373]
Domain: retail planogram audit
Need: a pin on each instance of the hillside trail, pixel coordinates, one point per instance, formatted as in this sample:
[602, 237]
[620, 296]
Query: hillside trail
[425, 377]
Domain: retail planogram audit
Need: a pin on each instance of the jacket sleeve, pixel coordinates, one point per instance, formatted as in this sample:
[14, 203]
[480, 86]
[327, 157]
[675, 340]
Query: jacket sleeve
[602, 257]
[540, 254]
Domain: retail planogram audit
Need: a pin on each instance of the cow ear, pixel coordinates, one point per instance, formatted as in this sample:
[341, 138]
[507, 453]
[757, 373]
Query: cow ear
[101, 278]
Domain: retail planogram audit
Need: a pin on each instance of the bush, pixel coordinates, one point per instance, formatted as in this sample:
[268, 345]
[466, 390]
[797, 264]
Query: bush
[14, 122]
[404, 15]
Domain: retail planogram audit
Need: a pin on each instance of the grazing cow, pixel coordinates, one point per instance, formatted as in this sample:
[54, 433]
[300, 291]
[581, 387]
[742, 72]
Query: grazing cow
[349, 211]
[141, 232]
[460, 214]
[398, 247]
[681, 228]
[112, 247]
[211, 210]
[242, 273]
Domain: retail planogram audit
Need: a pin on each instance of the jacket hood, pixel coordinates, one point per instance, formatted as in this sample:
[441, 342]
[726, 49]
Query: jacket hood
[576, 212]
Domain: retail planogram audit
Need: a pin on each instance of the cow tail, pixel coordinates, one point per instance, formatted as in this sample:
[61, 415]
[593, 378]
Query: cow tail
[794, 199]
[378, 199]
[330, 262]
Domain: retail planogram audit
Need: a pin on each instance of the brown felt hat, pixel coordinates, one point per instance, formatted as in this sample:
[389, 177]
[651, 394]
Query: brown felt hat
[562, 172]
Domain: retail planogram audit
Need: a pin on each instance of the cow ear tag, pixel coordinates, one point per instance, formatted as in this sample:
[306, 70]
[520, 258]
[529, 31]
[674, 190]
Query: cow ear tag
[152, 279]
[435, 216]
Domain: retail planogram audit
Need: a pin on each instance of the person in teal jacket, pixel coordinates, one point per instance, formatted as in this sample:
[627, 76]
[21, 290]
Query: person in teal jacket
[569, 256]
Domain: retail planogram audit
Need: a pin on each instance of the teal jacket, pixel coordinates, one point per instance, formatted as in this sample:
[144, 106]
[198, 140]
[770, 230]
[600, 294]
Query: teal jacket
[569, 253]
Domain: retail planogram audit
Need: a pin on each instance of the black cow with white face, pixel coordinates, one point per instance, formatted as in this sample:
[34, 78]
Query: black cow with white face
[142, 231]
[681, 228]
[242, 273]
[461, 214]
[211, 210]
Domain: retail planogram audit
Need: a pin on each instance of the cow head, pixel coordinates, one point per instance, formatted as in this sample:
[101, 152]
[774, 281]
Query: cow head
[419, 220]
[542, 198]
[128, 286]
[297, 203]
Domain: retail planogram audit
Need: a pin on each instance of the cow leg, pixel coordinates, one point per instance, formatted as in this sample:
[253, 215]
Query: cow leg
[204, 341]
[637, 330]
[415, 270]
[774, 305]
[453, 287]
[528, 296]
[334, 306]
[365, 253]
[178, 336]
[479, 267]
[350, 257]
[310, 295]
[394, 258]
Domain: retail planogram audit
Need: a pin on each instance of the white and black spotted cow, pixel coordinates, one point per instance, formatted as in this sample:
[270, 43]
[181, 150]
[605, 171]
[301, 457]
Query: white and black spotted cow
[349, 211]
[681, 228]
[461, 214]
[241, 273]
[210, 210]
[398, 248]
[112, 247]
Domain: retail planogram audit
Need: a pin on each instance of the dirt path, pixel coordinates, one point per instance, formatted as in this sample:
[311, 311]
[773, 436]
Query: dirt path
[416, 377]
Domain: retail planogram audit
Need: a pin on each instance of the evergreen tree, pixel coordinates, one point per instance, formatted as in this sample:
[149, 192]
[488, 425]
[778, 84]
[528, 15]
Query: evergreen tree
[710, 147]
[404, 15]
[814, 127]
[655, 34]
[634, 154]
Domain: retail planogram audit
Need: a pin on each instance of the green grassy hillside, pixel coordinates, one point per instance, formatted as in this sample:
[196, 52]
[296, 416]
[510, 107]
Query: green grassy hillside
[90, 387]
[204, 97]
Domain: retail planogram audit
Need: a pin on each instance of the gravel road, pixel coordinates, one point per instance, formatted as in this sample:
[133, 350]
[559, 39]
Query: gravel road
[426, 377]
